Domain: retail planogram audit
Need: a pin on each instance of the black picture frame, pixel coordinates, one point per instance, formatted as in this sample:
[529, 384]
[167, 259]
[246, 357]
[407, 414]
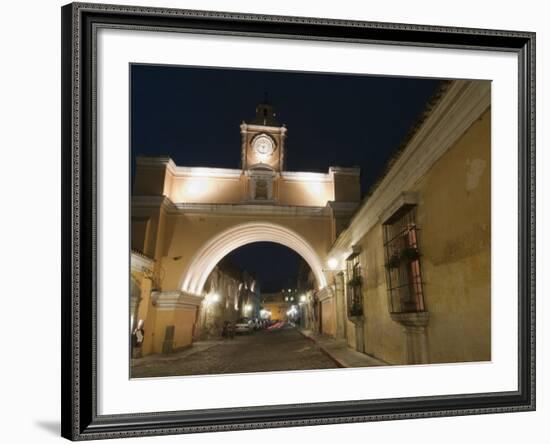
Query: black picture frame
[79, 390]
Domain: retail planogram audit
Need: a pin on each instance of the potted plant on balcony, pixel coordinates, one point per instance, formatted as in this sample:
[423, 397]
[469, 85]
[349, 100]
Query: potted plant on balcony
[393, 261]
[355, 281]
[356, 309]
[410, 254]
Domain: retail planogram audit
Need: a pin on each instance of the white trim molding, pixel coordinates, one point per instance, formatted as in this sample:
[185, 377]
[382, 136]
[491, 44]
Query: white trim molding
[253, 128]
[261, 208]
[350, 171]
[406, 198]
[206, 258]
[140, 262]
[325, 294]
[304, 176]
[173, 300]
[214, 173]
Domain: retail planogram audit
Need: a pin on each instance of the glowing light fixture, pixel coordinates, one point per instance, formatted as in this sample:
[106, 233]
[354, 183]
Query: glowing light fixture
[195, 188]
[332, 263]
[212, 298]
[292, 311]
[265, 314]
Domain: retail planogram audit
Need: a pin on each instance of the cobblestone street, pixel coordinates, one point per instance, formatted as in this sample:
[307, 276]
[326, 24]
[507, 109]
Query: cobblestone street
[265, 350]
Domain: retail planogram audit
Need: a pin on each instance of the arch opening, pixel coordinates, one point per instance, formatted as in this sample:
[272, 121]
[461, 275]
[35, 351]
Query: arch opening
[206, 258]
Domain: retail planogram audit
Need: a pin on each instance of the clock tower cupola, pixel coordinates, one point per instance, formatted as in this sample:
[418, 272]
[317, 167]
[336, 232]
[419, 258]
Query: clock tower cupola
[263, 141]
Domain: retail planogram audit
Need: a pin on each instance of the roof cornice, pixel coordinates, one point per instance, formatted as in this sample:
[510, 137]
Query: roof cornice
[458, 109]
[233, 209]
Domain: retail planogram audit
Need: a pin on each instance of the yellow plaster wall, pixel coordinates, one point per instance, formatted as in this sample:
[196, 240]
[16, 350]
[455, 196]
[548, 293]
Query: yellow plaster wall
[328, 321]
[184, 322]
[150, 330]
[163, 318]
[182, 318]
[214, 190]
[145, 230]
[139, 233]
[383, 337]
[454, 216]
[305, 193]
[346, 188]
[150, 180]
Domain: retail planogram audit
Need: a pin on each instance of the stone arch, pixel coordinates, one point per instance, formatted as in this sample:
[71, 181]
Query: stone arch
[206, 258]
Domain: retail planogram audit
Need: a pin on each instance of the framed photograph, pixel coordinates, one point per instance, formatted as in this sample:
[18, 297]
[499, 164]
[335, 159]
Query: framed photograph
[278, 221]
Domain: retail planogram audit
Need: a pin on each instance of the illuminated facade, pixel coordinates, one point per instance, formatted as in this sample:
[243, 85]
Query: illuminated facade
[186, 219]
[231, 293]
[278, 304]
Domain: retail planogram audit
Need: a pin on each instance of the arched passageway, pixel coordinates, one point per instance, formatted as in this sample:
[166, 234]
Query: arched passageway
[206, 258]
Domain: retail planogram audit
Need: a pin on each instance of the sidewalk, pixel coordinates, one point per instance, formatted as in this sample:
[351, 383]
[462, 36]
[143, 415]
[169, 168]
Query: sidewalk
[339, 351]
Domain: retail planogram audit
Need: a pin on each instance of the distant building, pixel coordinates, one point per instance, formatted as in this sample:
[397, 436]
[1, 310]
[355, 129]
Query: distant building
[279, 303]
[226, 300]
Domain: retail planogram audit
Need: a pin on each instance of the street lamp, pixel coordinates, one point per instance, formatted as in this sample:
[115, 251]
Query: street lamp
[332, 263]
[212, 298]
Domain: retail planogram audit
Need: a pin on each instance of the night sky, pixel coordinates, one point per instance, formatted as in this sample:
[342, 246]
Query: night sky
[193, 115]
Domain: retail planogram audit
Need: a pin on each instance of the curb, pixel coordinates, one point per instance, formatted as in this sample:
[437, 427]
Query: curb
[338, 363]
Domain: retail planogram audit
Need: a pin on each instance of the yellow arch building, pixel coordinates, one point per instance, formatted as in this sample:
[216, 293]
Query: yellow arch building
[186, 219]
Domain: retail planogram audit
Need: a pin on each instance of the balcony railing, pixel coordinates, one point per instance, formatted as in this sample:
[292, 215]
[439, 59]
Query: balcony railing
[403, 270]
[355, 296]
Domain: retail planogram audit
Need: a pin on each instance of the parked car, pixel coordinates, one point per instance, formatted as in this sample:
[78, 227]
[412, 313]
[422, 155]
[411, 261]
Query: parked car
[244, 325]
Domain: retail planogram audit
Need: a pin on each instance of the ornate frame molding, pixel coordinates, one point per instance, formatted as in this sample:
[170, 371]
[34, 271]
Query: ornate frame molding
[80, 420]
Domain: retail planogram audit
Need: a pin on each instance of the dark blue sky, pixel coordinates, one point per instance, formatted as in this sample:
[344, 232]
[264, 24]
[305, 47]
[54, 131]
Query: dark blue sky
[193, 115]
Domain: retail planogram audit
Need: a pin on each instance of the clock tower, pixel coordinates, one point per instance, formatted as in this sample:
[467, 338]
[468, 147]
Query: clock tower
[263, 140]
[262, 153]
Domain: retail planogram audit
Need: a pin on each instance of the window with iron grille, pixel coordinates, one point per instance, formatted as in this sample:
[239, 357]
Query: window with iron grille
[355, 286]
[403, 272]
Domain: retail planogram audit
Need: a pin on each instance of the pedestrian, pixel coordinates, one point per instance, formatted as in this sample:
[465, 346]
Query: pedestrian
[137, 339]
[228, 330]
[225, 329]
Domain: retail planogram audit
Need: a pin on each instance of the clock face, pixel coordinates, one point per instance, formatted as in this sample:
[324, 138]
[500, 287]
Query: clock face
[263, 147]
